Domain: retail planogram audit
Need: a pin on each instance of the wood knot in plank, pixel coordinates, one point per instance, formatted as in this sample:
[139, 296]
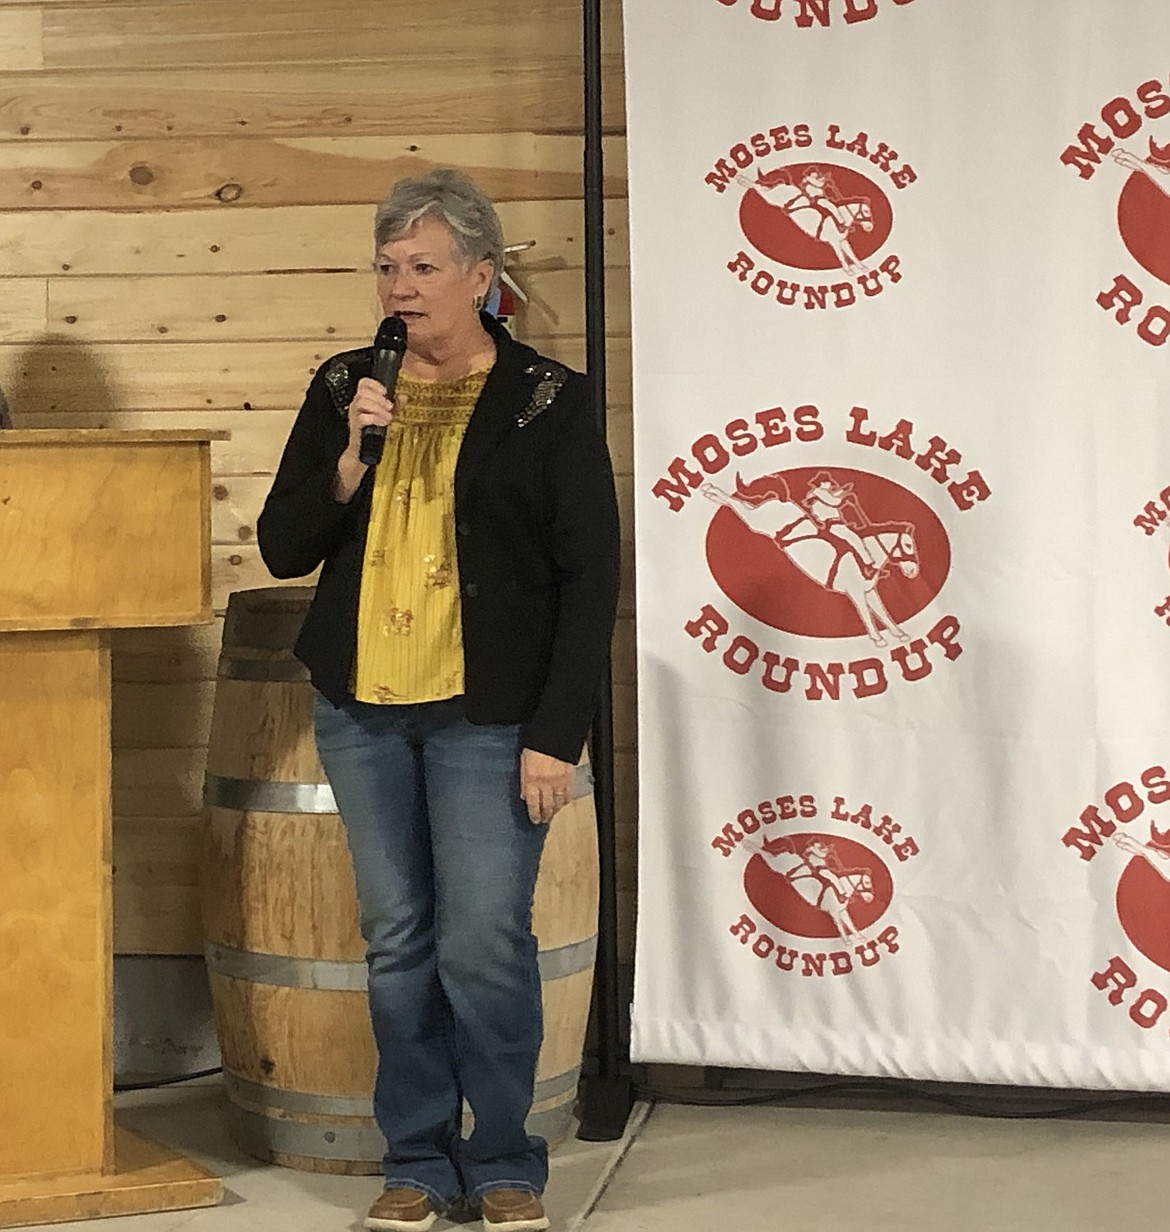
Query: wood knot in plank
[229, 192]
[141, 174]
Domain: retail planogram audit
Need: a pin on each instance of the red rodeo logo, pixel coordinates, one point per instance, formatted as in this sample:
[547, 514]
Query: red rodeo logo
[816, 212]
[815, 14]
[815, 216]
[818, 886]
[819, 900]
[1120, 148]
[1124, 825]
[829, 551]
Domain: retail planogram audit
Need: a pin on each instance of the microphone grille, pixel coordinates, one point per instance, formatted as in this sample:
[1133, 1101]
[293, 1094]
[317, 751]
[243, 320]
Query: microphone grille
[391, 335]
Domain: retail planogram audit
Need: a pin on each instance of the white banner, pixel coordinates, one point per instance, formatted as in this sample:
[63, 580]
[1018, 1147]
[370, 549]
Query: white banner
[901, 274]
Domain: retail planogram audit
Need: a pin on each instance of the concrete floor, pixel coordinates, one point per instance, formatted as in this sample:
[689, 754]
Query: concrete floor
[752, 1169]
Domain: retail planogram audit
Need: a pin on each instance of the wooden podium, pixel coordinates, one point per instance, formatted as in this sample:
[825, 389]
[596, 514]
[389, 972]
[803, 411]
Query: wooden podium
[99, 530]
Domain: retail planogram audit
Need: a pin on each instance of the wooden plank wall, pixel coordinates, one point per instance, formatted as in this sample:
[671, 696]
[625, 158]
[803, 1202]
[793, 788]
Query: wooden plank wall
[186, 192]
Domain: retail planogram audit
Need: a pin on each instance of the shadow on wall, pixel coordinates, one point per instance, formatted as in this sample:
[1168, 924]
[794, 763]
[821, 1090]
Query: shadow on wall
[57, 382]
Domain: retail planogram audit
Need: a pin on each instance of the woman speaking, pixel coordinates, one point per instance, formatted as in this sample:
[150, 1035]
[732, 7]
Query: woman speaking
[456, 641]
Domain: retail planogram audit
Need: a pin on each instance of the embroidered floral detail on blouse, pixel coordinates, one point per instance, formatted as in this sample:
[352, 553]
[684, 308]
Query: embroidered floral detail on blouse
[551, 378]
[378, 557]
[439, 573]
[398, 620]
[386, 696]
[402, 495]
[439, 403]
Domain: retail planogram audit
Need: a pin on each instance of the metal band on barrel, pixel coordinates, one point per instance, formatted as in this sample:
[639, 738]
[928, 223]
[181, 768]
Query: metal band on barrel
[259, 796]
[582, 782]
[284, 971]
[567, 959]
[331, 975]
[261, 1134]
[309, 1103]
[264, 796]
[558, 1084]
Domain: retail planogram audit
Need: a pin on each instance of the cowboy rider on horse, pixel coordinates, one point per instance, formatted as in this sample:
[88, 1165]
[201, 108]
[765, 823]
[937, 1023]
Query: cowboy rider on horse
[817, 184]
[823, 503]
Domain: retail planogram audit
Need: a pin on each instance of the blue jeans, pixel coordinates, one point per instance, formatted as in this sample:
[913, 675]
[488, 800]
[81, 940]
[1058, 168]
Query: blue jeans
[446, 860]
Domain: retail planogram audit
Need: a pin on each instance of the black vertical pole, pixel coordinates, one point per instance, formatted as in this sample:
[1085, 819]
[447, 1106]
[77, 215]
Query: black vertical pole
[607, 1096]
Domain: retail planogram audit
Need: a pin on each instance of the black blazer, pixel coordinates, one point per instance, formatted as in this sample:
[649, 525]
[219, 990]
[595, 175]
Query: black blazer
[536, 534]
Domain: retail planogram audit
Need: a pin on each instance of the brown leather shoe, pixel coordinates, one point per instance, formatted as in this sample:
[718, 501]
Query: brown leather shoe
[401, 1210]
[512, 1210]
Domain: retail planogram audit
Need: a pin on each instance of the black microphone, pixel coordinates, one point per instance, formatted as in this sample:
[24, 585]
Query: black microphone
[389, 348]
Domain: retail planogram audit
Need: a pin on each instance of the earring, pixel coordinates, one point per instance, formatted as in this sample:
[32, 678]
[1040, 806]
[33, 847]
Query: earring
[479, 302]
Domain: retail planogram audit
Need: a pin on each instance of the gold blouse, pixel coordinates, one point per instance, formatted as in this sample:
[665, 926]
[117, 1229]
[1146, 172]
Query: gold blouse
[410, 629]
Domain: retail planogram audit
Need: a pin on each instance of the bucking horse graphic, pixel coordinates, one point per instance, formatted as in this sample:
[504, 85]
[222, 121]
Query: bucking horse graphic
[829, 537]
[814, 871]
[813, 204]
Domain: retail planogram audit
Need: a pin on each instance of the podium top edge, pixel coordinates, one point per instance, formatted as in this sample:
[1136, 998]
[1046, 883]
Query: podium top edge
[111, 436]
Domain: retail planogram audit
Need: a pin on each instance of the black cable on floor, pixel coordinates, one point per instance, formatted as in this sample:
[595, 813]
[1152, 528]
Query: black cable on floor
[119, 1087]
[954, 1103]
[715, 1099]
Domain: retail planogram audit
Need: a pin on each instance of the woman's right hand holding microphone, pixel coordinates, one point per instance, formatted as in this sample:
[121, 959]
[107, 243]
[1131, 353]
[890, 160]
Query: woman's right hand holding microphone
[369, 406]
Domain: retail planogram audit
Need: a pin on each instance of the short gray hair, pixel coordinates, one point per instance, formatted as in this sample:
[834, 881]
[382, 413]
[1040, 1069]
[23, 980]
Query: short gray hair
[451, 197]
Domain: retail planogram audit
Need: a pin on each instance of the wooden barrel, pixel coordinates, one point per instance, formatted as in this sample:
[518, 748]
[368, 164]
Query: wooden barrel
[284, 949]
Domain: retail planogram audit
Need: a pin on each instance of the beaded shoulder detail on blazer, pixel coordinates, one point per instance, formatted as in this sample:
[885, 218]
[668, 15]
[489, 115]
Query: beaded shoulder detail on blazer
[339, 379]
[551, 378]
